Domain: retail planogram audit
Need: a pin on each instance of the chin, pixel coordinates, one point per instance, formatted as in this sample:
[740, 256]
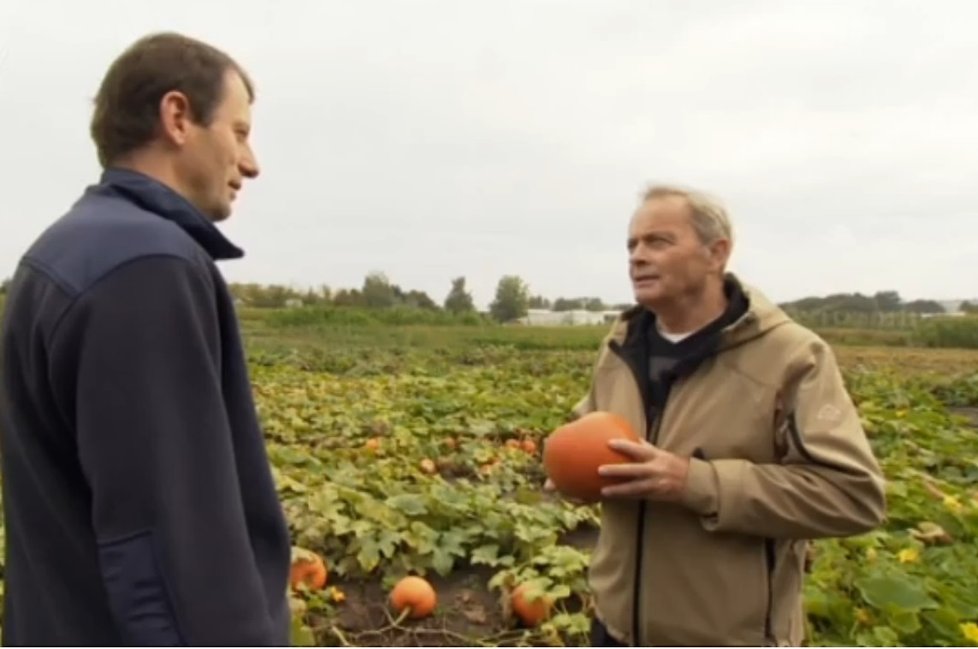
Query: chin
[219, 213]
[648, 300]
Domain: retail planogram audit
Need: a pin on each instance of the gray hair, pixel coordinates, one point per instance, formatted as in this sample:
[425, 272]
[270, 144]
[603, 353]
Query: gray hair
[710, 219]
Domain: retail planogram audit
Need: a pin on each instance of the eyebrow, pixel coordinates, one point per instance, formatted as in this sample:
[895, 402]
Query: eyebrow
[652, 234]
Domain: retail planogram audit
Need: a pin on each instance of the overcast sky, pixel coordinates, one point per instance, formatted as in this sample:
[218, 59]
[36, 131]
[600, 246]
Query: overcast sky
[428, 139]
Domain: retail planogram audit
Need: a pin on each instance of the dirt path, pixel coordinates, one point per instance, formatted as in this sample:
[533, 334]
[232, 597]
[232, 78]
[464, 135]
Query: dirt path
[970, 413]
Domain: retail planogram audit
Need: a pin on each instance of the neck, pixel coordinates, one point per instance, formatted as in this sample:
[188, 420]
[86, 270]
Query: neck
[692, 312]
[154, 166]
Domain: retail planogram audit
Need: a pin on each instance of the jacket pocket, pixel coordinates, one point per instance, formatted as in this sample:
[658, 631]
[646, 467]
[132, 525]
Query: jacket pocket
[137, 594]
[703, 588]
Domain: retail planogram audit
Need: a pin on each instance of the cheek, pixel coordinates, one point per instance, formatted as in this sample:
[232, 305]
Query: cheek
[232, 151]
[226, 149]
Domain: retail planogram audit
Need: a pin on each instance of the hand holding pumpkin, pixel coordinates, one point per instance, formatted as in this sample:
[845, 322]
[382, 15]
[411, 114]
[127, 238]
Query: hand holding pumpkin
[654, 474]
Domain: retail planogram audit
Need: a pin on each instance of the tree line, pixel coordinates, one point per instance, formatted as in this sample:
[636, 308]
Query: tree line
[880, 302]
[512, 300]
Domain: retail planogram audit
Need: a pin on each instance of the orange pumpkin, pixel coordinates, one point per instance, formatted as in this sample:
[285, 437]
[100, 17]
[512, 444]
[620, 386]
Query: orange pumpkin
[531, 613]
[414, 593]
[529, 446]
[309, 569]
[573, 452]
[428, 466]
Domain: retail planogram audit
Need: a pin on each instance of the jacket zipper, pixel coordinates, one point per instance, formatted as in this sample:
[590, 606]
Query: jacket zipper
[771, 561]
[653, 432]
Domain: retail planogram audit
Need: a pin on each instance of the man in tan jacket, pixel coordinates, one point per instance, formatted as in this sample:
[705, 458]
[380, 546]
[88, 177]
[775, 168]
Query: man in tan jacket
[753, 446]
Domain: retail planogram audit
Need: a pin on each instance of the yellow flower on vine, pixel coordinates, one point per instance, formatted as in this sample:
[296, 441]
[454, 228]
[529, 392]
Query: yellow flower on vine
[908, 555]
[953, 504]
[970, 631]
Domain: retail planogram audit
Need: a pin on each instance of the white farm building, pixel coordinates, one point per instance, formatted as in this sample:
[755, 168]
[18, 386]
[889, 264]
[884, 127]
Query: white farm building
[548, 318]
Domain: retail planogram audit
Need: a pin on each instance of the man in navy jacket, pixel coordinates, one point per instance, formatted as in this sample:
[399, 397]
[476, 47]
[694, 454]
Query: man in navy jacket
[138, 499]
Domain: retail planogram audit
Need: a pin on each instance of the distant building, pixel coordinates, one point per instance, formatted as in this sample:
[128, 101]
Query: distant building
[548, 318]
[953, 307]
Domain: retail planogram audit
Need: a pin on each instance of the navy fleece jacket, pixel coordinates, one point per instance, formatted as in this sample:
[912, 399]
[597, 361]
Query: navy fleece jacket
[139, 503]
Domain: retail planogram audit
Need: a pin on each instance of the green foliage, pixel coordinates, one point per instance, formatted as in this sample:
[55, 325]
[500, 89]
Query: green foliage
[376, 514]
[960, 332]
[880, 302]
[512, 299]
[377, 291]
[459, 300]
[332, 316]
[856, 319]
[866, 337]
[959, 391]
[460, 396]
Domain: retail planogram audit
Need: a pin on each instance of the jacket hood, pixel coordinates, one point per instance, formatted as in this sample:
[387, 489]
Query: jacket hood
[761, 316]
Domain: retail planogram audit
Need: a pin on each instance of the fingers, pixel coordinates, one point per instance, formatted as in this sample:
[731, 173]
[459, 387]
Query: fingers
[641, 451]
[632, 470]
[631, 489]
[549, 485]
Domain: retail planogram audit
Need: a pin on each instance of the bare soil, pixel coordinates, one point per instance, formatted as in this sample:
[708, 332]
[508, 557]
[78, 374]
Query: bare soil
[467, 614]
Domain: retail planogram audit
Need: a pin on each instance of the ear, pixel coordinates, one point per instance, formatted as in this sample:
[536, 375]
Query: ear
[176, 117]
[719, 252]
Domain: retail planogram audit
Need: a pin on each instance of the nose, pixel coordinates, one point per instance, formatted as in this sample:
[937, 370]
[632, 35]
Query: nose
[249, 164]
[637, 256]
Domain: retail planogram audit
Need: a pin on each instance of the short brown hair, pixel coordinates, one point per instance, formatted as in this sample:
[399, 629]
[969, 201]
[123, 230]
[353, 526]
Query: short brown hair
[127, 105]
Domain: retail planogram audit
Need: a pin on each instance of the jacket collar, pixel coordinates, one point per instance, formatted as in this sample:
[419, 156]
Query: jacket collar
[156, 197]
[759, 316]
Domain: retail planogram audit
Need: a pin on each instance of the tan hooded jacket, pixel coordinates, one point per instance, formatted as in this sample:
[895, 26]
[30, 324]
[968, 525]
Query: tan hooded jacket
[778, 456]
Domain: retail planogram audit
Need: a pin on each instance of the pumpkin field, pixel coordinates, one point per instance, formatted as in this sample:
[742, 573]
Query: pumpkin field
[416, 451]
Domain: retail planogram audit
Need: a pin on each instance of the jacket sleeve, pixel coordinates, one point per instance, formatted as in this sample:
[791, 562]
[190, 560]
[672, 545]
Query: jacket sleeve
[586, 402]
[139, 356]
[828, 482]
[583, 406]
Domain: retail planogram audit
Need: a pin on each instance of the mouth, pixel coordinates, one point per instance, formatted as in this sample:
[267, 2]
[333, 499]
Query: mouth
[640, 280]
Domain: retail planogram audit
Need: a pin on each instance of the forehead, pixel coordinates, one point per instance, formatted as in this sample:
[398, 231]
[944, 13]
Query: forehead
[666, 213]
[236, 99]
